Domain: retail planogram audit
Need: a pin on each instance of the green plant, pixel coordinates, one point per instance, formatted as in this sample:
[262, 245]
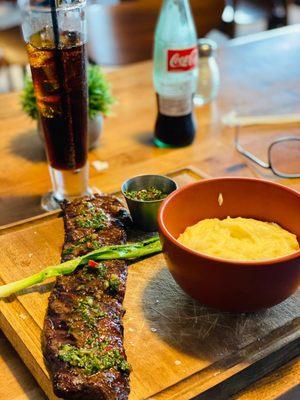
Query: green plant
[99, 94]
[28, 99]
[100, 98]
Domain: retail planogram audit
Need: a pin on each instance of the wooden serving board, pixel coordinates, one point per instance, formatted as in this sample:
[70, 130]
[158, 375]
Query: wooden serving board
[178, 348]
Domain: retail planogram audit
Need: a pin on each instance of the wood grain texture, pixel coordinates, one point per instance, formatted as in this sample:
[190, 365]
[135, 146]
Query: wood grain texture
[177, 347]
[259, 75]
[281, 384]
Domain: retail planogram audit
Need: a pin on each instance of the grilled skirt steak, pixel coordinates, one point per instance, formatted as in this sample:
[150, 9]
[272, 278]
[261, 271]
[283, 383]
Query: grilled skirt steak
[83, 331]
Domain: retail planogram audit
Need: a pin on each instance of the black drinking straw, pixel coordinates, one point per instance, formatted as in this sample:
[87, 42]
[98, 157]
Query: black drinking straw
[54, 23]
[64, 97]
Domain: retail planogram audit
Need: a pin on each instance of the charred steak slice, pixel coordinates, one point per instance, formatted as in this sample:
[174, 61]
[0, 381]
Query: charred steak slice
[83, 331]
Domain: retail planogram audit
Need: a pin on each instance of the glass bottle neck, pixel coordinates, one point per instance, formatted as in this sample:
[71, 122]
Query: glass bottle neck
[183, 7]
[179, 3]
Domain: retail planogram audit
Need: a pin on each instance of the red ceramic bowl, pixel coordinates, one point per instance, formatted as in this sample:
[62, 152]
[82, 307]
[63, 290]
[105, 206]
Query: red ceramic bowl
[226, 284]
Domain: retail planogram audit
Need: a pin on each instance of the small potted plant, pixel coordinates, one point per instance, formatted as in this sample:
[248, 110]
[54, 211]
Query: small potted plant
[99, 103]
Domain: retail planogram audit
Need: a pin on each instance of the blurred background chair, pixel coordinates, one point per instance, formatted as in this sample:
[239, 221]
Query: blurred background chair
[122, 32]
[13, 57]
[240, 13]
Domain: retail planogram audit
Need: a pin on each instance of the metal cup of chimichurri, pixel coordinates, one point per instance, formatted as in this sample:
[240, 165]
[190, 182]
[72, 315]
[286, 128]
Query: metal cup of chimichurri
[143, 195]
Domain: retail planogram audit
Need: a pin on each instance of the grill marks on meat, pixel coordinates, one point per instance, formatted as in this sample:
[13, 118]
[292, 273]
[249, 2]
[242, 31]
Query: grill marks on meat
[84, 316]
[80, 239]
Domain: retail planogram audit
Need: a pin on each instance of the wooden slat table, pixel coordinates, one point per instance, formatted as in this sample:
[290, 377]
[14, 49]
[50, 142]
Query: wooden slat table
[258, 76]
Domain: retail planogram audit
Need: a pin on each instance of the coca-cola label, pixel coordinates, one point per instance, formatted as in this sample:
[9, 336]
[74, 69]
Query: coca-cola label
[182, 60]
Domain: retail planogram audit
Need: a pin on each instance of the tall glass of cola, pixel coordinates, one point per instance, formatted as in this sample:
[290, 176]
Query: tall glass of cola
[55, 35]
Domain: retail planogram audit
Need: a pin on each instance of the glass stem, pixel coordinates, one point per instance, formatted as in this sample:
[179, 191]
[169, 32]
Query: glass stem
[69, 184]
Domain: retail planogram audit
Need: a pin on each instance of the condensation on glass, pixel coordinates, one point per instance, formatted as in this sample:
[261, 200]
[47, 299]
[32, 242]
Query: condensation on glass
[55, 37]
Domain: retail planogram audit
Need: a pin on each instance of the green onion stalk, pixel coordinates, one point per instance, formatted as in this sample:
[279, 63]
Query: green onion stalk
[131, 251]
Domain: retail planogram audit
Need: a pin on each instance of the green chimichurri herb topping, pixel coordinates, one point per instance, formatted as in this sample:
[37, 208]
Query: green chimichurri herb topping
[90, 311]
[86, 243]
[146, 194]
[70, 330]
[95, 219]
[80, 287]
[112, 283]
[88, 275]
[67, 251]
[94, 343]
[101, 271]
[91, 361]
[97, 272]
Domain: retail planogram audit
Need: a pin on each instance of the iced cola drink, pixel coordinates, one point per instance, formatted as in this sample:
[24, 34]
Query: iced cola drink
[55, 36]
[61, 92]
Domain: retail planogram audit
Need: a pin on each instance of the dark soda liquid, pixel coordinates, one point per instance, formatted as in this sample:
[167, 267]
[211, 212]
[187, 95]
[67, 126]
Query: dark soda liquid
[60, 85]
[174, 131]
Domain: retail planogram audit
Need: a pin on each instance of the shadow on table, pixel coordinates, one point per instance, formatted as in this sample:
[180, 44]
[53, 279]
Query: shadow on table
[203, 332]
[19, 207]
[28, 146]
[40, 288]
[145, 138]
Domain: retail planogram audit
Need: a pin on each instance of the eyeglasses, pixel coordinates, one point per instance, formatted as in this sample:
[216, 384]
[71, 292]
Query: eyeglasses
[283, 156]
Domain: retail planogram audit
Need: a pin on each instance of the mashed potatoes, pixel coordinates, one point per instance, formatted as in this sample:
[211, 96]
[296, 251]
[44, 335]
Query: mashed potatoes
[239, 239]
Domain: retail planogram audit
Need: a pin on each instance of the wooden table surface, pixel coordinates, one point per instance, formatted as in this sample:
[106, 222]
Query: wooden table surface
[259, 75]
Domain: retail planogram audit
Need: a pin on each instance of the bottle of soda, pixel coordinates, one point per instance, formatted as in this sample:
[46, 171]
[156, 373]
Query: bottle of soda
[175, 74]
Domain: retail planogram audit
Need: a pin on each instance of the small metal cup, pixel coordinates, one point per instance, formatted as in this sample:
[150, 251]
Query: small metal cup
[144, 213]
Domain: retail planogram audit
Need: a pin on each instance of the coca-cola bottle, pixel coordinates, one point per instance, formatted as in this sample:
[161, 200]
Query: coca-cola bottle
[175, 74]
